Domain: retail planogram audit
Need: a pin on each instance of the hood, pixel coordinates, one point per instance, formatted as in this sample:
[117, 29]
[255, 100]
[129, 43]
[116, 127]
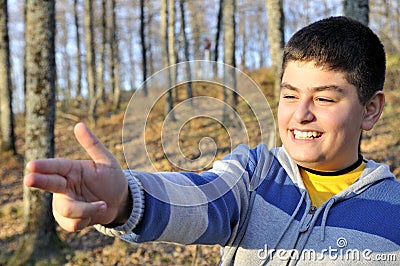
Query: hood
[373, 172]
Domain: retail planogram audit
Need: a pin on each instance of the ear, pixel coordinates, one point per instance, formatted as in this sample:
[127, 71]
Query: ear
[373, 110]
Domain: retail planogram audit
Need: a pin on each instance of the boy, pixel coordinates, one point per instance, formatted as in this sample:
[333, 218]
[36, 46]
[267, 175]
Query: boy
[313, 200]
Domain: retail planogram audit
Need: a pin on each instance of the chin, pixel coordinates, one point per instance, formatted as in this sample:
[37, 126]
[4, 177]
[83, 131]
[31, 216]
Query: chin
[305, 158]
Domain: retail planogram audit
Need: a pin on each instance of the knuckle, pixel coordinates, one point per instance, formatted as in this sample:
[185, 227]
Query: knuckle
[62, 208]
[66, 211]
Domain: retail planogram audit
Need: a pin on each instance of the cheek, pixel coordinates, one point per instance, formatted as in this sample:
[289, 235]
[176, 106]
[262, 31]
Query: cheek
[281, 116]
[341, 127]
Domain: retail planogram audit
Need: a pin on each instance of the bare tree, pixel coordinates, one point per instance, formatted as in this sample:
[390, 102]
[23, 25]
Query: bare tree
[171, 32]
[164, 32]
[7, 115]
[244, 41]
[131, 49]
[149, 33]
[63, 65]
[229, 25]
[102, 52]
[114, 59]
[196, 15]
[397, 26]
[78, 54]
[218, 34]
[276, 40]
[171, 59]
[143, 42]
[90, 60]
[186, 49]
[275, 29]
[39, 239]
[229, 29]
[357, 9]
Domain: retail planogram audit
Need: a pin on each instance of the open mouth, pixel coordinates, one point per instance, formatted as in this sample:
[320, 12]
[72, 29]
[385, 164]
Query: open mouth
[307, 135]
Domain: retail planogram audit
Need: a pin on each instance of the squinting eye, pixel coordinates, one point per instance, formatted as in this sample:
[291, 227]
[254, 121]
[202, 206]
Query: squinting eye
[290, 97]
[325, 100]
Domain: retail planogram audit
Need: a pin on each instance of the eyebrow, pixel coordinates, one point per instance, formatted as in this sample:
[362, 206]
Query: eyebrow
[336, 88]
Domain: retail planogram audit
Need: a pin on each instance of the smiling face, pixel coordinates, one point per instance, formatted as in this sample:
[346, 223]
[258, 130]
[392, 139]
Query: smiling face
[320, 117]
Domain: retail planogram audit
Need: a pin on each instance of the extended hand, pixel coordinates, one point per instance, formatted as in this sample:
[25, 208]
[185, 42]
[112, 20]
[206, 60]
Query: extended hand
[85, 192]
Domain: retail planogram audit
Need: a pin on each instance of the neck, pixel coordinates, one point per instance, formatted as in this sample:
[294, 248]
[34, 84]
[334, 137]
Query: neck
[338, 172]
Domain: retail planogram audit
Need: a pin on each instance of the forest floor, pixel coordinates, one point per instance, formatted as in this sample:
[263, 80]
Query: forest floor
[88, 247]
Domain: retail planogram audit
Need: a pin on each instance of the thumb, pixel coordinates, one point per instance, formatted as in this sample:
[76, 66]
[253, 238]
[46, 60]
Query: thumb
[76, 209]
[93, 146]
[80, 214]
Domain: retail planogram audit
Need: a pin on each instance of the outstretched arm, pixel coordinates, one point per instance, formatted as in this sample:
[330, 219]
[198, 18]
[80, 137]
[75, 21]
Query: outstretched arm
[86, 192]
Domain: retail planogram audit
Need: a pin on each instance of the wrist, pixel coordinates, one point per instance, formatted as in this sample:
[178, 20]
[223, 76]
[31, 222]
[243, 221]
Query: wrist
[125, 208]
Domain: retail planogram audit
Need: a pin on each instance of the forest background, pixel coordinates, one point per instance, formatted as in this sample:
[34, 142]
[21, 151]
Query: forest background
[79, 60]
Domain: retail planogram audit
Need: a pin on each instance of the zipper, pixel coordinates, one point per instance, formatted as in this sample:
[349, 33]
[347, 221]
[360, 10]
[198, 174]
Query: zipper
[312, 210]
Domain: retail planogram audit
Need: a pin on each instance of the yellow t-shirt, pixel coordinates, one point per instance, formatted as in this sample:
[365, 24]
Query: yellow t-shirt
[322, 187]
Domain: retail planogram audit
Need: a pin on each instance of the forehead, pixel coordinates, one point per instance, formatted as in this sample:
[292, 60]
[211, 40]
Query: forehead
[305, 75]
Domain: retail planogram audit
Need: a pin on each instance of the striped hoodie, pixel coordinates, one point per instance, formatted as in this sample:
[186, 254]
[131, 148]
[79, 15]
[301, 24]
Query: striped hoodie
[254, 204]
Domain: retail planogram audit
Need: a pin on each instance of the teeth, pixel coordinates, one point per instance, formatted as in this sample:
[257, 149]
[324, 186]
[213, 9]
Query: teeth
[306, 134]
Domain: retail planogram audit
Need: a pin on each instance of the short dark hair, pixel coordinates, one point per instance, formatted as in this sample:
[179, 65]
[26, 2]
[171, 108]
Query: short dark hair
[343, 44]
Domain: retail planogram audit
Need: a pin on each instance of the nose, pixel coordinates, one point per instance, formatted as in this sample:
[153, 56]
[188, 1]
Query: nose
[304, 112]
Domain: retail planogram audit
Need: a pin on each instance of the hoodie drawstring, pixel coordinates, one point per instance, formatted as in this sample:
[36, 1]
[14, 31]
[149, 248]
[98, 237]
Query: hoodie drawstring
[328, 207]
[292, 217]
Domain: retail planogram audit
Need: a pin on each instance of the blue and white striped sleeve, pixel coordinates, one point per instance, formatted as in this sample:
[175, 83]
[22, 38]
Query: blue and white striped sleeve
[190, 208]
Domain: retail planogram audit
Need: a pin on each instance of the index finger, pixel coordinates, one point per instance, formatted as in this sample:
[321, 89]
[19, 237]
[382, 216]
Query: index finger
[50, 166]
[50, 183]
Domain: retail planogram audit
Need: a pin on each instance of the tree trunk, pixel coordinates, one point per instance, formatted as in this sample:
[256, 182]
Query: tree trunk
[90, 61]
[132, 57]
[24, 63]
[171, 58]
[218, 34]
[276, 40]
[275, 30]
[262, 40]
[229, 25]
[196, 26]
[7, 116]
[357, 9]
[397, 32]
[164, 32]
[39, 240]
[102, 52]
[171, 34]
[150, 62]
[64, 84]
[189, 90]
[114, 60]
[143, 42]
[243, 33]
[78, 54]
